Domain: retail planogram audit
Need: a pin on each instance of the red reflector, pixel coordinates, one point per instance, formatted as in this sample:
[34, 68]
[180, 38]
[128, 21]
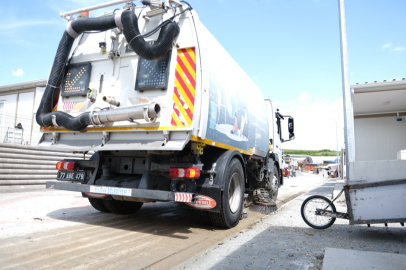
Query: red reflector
[191, 173]
[64, 165]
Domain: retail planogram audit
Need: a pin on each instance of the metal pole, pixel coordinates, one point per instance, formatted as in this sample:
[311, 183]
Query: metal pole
[112, 3]
[338, 159]
[347, 99]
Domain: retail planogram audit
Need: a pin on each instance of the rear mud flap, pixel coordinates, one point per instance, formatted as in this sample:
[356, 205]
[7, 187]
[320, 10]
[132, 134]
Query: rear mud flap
[208, 199]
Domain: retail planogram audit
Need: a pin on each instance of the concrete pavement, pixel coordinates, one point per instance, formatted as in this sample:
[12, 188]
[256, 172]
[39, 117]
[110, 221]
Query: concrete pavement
[283, 241]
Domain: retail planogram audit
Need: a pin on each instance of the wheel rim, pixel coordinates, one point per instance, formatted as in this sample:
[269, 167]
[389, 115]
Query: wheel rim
[309, 212]
[234, 193]
[274, 187]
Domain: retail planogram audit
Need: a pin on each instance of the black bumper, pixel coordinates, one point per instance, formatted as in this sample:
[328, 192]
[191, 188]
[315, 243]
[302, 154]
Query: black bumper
[157, 195]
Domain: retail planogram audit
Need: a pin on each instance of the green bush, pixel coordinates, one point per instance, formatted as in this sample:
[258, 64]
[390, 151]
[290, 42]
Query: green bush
[316, 153]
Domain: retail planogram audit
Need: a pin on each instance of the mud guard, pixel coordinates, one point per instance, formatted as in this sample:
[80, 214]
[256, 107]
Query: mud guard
[214, 190]
[209, 199]
[222, 160]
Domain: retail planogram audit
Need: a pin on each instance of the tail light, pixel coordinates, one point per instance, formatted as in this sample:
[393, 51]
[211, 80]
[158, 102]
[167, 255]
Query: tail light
[191, 173]
[65, 165]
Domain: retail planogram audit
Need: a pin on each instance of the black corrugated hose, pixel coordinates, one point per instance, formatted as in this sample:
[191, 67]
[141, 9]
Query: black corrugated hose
[145, 50]
[132, 34]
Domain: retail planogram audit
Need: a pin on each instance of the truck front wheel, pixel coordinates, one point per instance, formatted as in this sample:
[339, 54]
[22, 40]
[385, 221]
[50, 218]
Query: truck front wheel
[122, 207]
[273, 192]
[232, 198]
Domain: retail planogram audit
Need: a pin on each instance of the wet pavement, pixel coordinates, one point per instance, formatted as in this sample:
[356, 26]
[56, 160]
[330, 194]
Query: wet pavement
[53, 229]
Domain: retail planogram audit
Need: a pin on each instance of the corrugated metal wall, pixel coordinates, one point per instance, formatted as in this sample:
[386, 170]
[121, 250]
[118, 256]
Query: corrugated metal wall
[29, 167]
[379, 138]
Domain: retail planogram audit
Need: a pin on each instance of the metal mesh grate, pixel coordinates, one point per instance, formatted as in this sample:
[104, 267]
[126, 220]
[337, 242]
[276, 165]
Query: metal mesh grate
[18, 129]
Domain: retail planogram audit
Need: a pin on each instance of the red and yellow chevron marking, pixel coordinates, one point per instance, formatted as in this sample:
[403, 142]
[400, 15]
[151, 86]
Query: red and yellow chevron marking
[184, 90]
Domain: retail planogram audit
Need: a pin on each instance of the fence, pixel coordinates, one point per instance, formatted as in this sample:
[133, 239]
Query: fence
[18, 129]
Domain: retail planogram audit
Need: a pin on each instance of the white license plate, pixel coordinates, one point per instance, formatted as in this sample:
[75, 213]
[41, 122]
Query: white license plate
[71, 176]
[111, 190]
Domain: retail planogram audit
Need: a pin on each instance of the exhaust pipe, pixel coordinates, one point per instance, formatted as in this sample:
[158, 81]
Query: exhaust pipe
[148, 112]
[111, 101]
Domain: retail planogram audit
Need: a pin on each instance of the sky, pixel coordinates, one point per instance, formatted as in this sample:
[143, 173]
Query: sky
[290, 49]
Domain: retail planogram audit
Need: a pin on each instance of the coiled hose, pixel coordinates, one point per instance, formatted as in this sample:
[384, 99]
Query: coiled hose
[128, 20]
[145, 50]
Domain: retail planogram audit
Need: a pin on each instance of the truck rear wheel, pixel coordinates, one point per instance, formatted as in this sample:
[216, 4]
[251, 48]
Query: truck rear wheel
[122, 207]
[232, 198]
[98, 205]
[200, 217]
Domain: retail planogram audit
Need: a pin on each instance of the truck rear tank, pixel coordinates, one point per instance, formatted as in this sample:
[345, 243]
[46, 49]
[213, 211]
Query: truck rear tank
[170, 118]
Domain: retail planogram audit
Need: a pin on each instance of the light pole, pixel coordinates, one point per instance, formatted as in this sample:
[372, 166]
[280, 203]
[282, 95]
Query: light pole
[347, 102]
[338, 159]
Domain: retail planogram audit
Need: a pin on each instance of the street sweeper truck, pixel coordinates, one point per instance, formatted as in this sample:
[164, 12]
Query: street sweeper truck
[169, 115]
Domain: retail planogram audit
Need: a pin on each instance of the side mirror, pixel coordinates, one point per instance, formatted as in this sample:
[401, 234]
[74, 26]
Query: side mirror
[291, 128]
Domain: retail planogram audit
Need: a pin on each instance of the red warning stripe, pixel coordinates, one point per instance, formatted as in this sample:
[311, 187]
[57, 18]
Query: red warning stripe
[184, 89]
[189, 58]
[183, 197]
[188, 75]
[68, 105]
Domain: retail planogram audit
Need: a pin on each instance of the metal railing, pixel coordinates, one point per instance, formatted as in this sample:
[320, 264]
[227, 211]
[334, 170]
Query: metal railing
[18, 129]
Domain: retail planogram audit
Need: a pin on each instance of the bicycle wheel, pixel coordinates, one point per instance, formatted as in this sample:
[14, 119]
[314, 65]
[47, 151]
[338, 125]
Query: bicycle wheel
[308, 211]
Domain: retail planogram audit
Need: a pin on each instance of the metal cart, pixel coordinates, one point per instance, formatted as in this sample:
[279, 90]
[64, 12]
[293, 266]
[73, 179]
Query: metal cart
[375, 191]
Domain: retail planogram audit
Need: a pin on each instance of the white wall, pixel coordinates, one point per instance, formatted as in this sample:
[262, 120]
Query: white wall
[8, 113]
[9, 103]
[25, 104]
[379, 138]
[24, 113]
[36, 132]
[25, 110]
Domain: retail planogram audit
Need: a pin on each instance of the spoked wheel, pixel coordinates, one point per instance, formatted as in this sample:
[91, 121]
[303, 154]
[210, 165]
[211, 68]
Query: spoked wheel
[317, 203]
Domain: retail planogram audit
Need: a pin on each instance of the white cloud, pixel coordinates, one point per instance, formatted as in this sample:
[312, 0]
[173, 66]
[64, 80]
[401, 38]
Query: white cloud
[316, 122]
[389, 46]
[398, 48]
[303, 97]
[19, 72]
[386, 46]
[18, 24]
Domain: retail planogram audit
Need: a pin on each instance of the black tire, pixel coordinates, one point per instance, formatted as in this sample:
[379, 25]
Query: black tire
[200, 217]
[308, 211]
[232, 198]
[122, 207]
[98, 205]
